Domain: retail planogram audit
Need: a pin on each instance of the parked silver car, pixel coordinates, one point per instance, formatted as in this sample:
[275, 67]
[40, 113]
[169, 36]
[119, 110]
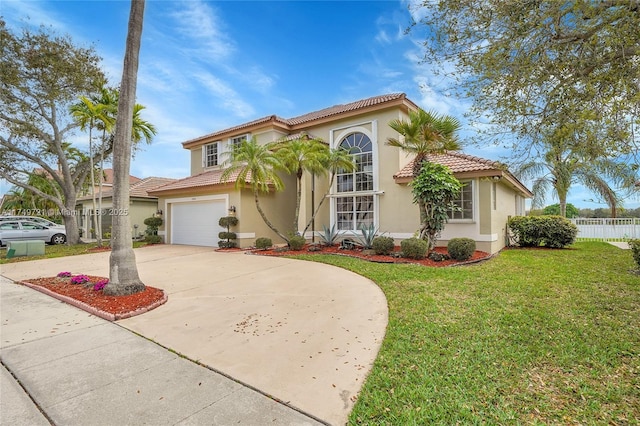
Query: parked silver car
[21, 230]
[36, 219]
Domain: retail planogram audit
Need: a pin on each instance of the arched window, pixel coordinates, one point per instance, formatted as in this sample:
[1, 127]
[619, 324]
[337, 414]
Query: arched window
[356, 208]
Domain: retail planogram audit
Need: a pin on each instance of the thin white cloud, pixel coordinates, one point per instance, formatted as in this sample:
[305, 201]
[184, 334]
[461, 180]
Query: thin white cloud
[382, 37]
[31, 13]
[198, 21]
[225, 95]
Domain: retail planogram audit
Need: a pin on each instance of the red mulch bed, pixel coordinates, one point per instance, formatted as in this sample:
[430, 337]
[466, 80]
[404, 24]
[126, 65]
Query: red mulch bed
[477, 255]
[120, 306]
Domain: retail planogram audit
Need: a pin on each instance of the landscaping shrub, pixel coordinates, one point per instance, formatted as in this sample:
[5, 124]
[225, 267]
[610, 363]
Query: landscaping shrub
[329, 236]
[153, 239]
[227, 235]
[414, 248]
[263, 243]
[383, 245]
[635, 250]
[228, 221]
[151, 233]
[369, 233]
[226, 244]
[297, 242]
[438, 257]
[550, 231]
[461, 248]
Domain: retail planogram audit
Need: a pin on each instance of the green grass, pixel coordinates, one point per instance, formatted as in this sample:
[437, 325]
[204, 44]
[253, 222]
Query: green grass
[57, 251]
[529, 337]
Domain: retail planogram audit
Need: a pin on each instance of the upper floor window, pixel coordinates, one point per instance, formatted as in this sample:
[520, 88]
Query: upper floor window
[235, 142]
[210, 155]
[464, 203]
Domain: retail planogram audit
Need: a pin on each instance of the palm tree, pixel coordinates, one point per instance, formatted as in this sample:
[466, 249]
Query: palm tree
[426, 133]
[563, 165]
[141, 129]
[123, 271]
[257, 165]
[298, 156]
[92, 113]
[337, 161]
[109, 100]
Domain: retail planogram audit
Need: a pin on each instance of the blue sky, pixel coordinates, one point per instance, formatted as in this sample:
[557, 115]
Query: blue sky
[205, 66]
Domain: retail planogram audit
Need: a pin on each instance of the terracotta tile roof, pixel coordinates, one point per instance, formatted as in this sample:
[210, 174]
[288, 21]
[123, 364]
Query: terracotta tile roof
[208, 178]
[142, 187]
[267, 119]
[460, 163]
[108, 177]
[339, 109]
[456, 161]
[139, 189]
[305, 118]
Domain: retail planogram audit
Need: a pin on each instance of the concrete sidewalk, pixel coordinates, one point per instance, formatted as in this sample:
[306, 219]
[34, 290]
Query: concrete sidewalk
[78, 369]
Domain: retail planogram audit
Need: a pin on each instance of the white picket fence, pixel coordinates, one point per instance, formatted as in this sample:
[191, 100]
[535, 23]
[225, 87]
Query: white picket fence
[607, 229]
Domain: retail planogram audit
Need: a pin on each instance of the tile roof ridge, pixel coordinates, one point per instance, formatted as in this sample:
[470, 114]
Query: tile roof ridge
[475, 158]
[349, 106]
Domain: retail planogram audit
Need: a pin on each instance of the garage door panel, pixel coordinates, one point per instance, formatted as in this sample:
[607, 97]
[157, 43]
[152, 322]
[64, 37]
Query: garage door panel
[196, 223]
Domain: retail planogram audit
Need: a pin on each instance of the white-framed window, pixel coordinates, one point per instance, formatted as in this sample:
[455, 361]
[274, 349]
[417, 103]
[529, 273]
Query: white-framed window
[210, 155]
[355, 203]
[463, 204]
[236, 141]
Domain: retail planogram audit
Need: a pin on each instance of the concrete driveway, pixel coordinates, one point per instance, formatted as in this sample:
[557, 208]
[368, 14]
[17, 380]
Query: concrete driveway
[302, 332]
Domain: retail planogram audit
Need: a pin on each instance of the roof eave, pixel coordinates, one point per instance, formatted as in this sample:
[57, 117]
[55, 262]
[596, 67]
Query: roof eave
[273, 122]
[403, 102]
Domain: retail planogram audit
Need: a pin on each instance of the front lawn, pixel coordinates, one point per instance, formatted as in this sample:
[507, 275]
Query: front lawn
[529, 337]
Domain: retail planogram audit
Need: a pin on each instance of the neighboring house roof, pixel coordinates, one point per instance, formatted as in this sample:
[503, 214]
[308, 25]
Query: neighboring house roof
[208, 178]
[108, 177]
[465, 166]
[139, 189]
[299, 122]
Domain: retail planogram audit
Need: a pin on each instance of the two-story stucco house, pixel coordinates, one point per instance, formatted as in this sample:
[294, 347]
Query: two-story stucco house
[377, 192]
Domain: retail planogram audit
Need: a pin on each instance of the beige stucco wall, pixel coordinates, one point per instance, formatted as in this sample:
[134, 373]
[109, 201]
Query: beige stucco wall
[397, 216]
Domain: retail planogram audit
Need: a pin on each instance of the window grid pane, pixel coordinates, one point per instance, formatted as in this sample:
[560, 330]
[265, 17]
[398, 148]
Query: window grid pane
[354, 211]
[211, 155]
[463, 204]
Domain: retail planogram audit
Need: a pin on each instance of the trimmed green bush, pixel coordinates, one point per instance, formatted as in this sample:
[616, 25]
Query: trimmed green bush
[414, 248]
[153, 222]
[548, 231]
[635, 250]
[153, 239]
[228, 221]
[263, 243]
[383, 245]
[226, 244]
[461, 248]
[297, 242]
[227, 235]
[151, 233]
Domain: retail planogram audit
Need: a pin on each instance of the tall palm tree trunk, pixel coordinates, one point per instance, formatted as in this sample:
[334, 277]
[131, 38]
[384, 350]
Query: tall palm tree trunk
[123, 271]
[264, 217]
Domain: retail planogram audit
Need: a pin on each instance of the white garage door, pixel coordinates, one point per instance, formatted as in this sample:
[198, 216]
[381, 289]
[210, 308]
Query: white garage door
[196, 223]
